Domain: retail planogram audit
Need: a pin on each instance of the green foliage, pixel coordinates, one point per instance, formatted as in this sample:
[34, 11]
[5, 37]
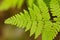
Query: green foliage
[6, 4]
[40, 18]
[30, 3]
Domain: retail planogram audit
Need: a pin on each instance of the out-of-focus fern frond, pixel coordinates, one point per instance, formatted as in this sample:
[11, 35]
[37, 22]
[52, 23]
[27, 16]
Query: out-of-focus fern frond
[39, 20]
[30, 3]
[47, 2]
[19, 3]
[6, 4]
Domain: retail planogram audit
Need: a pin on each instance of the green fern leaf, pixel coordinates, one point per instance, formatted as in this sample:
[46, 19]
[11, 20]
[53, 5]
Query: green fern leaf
[39, 22]
[28, 21]
[38, 19]
[54, 5]
[33, 28]
[44, 9]
[31, 20]
[39, 29]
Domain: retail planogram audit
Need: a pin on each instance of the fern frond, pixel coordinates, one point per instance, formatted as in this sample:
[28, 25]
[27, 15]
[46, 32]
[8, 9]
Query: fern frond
[30, 3]
[51, 29]
[29, 20]
[49, 32]
[55, 8]
[47, 2]
[38, 19]
[44, 9]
